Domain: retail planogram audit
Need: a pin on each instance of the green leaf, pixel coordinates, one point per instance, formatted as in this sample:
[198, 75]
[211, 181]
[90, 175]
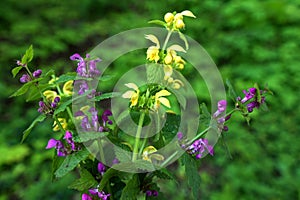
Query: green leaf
[107, 175]
[56, 163]
[66, 77]
[16, 70]
[85, 182]
[122, 154]
[131, 189]
[62, 107]
[107, 96]
[182, 36]
[231, 91]
[40, 118]
[158, 22]
[34, 94]
[22, 90]
[163, 173]
[205, 116]
[105, 78]
[84, 137]
[192, 175]
[144, 165]
[28, 55]
[71, 161]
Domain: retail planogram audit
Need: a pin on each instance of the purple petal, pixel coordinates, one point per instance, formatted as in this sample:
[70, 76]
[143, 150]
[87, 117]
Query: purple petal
[86, 197]
[37, 73]
[52, 143]
[93, 191]
[101, 167]
[76, 56]
[68, 135]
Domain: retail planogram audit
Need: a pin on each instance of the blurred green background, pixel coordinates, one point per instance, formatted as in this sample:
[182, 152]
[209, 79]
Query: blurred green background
[250, 41]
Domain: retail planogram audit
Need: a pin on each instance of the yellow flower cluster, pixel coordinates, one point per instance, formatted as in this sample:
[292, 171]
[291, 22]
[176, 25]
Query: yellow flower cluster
[176, 21]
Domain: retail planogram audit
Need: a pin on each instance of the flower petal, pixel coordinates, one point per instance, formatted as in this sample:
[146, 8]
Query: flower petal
[165, 102]
[153, 39]
[176, 47]
[162, 93]
[188, 13]
[132, 86]
[128, 94]
[51, 143]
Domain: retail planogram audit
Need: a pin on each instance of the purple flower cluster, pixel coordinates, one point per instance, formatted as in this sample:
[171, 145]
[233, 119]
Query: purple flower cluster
[221, 119]
[95, 192]
[93, 124]
[101, 168]
[197, 148]
[26, 78]
[46, 108]
[251, 95]
[150, 193]
[63, 150]
[86, 67]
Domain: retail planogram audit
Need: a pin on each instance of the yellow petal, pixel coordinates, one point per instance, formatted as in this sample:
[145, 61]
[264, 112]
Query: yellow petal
[132, 86]
[165, 102]
[128, 94]
[188, 13]
[68, 88]
[50, 95]
[162, 93]
[157, 156]
[176, 47]
[153, 39]
[150, 149]
[85, 109]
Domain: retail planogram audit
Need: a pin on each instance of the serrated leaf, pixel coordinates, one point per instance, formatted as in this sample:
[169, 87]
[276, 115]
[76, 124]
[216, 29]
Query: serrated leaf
[107, 175]
[188, 13]
[158, 22]
[163, 173]
[177, 47]
[85, 182]
[40, 118]
[16, 70]
[122, 154]
[27, 57]
[144, 165]
[107, 96]
[153, 39]
[231, 91]
[84, 137]
[34, 93]
[131, 189]
[66, 77]
[71, 161]
[183, 38]
[192, 175]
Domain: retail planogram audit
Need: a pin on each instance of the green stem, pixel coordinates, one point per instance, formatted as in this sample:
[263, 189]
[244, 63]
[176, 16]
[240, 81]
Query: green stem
[29, 72]
[167, 39]
[169, 159]
[137, 136]
[198, 136]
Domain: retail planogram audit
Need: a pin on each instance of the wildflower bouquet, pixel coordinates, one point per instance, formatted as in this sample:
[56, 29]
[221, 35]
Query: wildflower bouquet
[150, 119]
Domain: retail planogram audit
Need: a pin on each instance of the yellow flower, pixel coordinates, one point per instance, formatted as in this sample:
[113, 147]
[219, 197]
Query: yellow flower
[160, 99]
[169, 17]
[179, 24]
[68, 88]
[152, 53]
[50, 95]
[149, 154]
[63, 123]
[53, 80]
[178, 18]
[168, 59]
[132, 95]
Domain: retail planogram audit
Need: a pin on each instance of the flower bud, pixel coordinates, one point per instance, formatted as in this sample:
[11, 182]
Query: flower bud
[25, 78]
[168, 59]
[37, 73]
[169, 17]
[179, 24]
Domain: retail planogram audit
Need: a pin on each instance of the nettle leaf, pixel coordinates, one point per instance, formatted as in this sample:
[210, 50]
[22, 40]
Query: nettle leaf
[16, 70]
[144, 165]
[71, 161]
[183, 38]
[163, 173]
[62, 107]
[56, 163]
[34, 93]
[122, 154]
[85, 182]
[66, 77]
[171, 126]
[84, 137]
[22, 90]
[158, 22]
[28, 55]
[132, 189]
[40, 118]
[192, 174]
[107, 96]
[111, 172]
[231, 91]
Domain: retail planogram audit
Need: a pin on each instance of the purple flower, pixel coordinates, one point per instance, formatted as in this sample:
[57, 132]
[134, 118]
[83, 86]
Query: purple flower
[198, 147]
[105, 118]
[222, 104]
[248, 95]
[148, 193]
[85, 124]
[101, 168]
[25, 78]
[58, 145]
[55, 102]
[86, 197]
[42, 107]
[69, 138]
[179, 135]
[37, 73]
[100, 194]
[154, 193]
[86, 67]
